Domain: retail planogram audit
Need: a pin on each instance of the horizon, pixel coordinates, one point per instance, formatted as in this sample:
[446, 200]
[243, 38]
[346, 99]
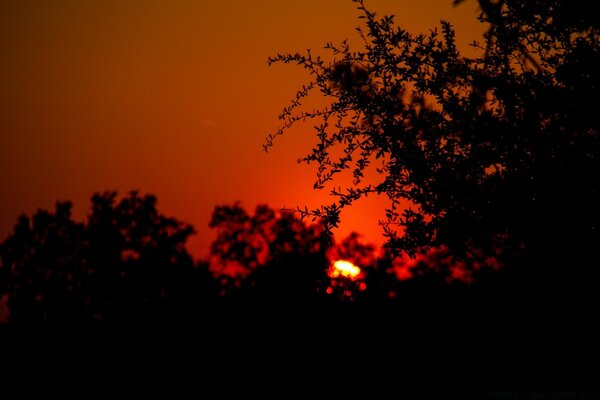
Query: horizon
[173, 100]
[130, 125]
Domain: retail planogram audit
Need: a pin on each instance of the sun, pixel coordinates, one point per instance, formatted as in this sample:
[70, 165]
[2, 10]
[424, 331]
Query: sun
[344, 269]
[346, 280]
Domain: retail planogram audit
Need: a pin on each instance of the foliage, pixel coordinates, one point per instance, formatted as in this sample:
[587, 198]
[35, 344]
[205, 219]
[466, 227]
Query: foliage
[271, 255]
[491, 155]
[127, 261]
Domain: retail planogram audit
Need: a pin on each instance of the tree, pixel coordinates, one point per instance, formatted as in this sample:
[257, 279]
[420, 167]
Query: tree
[492, 156]
[127, 262]
[268, 256]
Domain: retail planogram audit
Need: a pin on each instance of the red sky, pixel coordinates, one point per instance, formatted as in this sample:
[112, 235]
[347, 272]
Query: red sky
[172, 98]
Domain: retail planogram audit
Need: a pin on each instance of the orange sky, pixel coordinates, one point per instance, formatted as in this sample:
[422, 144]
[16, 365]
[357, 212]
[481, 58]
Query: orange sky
[172, 98]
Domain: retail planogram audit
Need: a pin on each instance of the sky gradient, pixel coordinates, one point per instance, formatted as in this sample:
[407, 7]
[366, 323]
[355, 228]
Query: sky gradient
[172, 98]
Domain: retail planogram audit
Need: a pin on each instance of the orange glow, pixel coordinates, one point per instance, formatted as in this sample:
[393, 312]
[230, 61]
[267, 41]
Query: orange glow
[345, 269]
[173, 99]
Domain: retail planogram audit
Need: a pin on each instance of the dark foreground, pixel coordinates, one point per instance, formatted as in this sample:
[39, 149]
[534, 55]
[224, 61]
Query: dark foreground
[435, 342]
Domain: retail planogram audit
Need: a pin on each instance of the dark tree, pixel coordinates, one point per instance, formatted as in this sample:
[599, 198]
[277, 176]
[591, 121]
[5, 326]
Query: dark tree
[126, 263]
[493, 158]
[268, 256]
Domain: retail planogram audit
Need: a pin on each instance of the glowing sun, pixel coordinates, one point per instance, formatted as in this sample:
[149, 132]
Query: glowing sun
[345, 269]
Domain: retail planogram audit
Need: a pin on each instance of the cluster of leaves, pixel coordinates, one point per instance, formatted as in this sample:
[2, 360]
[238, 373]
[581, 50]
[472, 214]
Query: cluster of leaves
[499, 151]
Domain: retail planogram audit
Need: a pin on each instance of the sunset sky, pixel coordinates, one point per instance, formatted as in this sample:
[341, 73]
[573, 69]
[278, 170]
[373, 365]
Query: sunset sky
[172, 98]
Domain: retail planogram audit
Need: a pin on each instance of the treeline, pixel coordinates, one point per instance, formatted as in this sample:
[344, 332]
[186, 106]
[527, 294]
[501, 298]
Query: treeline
[128, 262]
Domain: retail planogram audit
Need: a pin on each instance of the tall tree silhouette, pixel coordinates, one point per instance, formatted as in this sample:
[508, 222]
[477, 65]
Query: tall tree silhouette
[492, 156]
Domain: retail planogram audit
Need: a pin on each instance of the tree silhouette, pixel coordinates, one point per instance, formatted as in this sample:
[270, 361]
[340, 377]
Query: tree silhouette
[494, 158]
[272, 256]
[126, 263]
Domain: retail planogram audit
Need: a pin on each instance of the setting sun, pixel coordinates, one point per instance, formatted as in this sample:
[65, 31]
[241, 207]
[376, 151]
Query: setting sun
[344, 268]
